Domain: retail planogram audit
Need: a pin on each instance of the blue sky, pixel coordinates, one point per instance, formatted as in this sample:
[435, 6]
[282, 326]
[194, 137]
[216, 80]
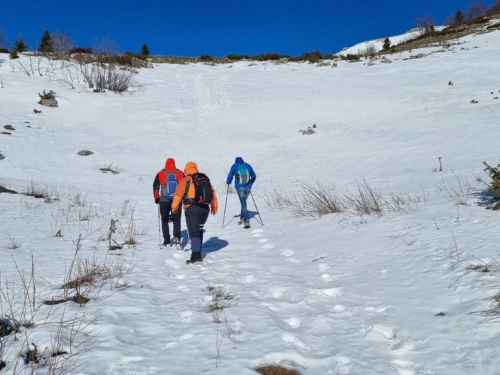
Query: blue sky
[219, 27]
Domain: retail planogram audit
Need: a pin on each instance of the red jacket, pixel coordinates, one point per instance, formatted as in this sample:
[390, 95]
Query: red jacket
[161, 176]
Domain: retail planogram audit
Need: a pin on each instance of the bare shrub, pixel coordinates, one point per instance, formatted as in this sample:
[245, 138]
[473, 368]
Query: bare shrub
[106, 77]
[459, 190]
[426, 24]
[61, 42]
[476, 10]
[370, 50]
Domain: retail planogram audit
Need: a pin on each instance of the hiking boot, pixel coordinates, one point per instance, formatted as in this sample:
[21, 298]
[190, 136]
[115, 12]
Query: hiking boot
[195, 259]
[247, 224]
[165, 242]
[177, 243]
[241, 221]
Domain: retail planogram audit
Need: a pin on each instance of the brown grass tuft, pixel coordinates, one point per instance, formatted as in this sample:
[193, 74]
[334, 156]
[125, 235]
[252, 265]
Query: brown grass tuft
[276, 370]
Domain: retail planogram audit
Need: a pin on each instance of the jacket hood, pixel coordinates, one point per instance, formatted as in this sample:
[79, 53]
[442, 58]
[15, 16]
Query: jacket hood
[191, 168]
[239, 160]
[170, 165]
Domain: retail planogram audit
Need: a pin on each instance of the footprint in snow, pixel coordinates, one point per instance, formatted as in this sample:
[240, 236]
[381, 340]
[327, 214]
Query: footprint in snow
[404, 367]
[376, 309]
[183, 338]
[255, 231]
[344, 365]
[270, 306]
[332, 292]
[263, 240]
[287, 252]
[267, 247]
[293, 322]
[186, 316]
[277, 292]
[341, 311]
[380, 333]
[172, 264]
[327, 278]
[249, 279]
[323, 267]
[291, 339]
[186, 337]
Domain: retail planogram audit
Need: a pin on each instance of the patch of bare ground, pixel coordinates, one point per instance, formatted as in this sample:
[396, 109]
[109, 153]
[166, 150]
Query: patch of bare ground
[449, 35]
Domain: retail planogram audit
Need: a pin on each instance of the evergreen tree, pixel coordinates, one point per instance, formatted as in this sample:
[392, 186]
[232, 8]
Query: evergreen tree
[3, 40]
[459, 17]
[20, 45]
[387, 44]
[46, 42]
[145, 49]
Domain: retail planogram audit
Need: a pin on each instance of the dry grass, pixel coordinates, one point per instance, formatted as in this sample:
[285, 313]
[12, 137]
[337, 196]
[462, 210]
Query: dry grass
[459, 190]
[276, 370]
[496, 298]
[35, 190]
[3, 189]
[366, 201]
[109, 168]
[221, 299]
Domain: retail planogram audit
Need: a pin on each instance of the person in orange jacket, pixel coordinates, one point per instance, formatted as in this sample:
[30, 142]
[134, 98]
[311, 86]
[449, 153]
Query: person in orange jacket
[198, 196]
[164, 186]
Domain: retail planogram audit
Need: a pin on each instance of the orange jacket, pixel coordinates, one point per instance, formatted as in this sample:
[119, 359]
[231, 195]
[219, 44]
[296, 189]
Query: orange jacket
[182, 190]
[161, 177]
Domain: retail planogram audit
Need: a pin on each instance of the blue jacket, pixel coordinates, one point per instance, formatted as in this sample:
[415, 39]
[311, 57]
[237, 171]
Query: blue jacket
[234, 170]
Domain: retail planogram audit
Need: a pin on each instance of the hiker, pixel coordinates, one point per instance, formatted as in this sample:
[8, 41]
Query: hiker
[244, 178]
[164, 187]
[198, 196]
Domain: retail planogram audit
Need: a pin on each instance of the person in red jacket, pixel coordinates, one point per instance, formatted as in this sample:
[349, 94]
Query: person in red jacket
[164, 186]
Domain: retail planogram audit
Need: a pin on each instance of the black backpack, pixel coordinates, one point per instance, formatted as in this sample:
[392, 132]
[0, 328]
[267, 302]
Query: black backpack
[202, 190]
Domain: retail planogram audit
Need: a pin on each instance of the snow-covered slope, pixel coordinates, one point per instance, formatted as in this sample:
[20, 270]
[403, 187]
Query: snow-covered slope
[338, 294]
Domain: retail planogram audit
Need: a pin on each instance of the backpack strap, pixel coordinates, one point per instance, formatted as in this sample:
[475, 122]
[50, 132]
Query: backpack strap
[186, 199]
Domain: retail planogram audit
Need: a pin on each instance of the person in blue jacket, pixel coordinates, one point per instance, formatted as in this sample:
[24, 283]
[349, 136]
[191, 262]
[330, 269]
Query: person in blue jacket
[244, 177]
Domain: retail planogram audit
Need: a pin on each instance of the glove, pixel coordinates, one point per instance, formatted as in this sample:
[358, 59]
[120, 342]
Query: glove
[157, 200]
[171, 217]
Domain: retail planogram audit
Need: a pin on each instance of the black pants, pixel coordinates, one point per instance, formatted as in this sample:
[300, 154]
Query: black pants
[196, 217]
[165, 210]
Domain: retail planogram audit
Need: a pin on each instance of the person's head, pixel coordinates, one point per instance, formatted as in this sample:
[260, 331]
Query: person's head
[239, 160]
[170, 164]
[190, 168]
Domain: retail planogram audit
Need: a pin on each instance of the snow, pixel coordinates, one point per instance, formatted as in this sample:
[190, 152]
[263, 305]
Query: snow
[337, 294]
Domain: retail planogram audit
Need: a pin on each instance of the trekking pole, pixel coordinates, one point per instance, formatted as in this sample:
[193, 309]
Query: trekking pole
[225, 205]
[258, 213]
[159, 233]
